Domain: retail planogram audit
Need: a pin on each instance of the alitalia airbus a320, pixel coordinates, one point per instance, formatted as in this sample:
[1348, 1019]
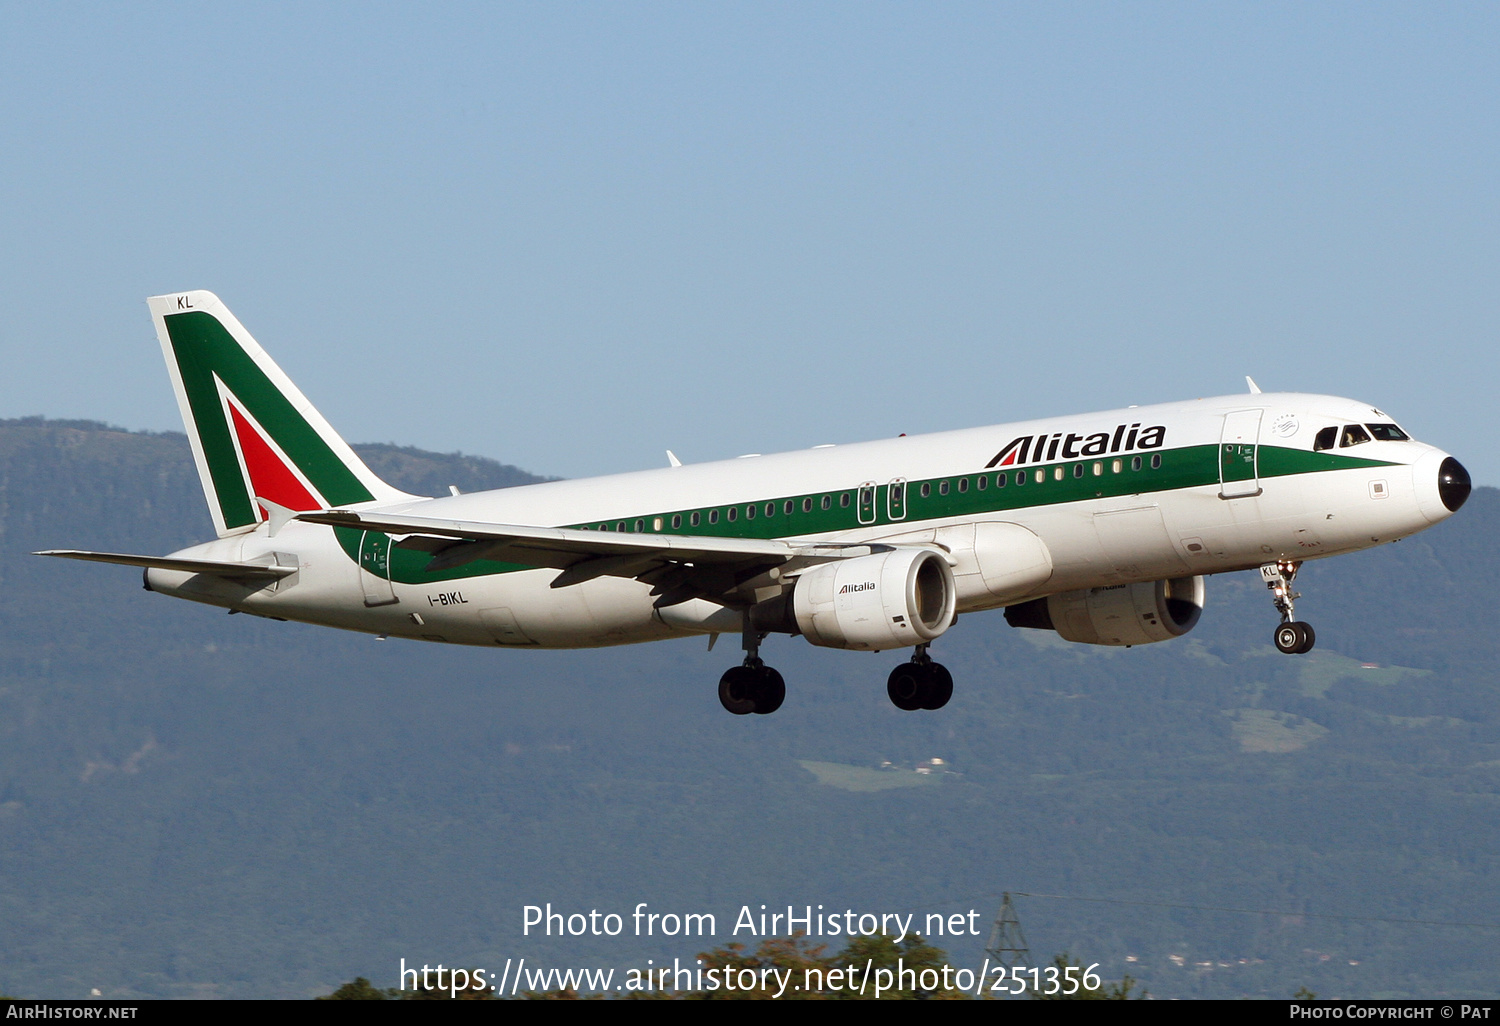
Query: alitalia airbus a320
[1100, 527]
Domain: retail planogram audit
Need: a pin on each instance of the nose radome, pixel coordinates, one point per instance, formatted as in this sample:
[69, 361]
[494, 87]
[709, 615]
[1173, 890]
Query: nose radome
[1441, 485]
[1454, 485]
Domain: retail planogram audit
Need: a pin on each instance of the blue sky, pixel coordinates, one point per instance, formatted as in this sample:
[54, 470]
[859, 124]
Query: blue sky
[570, 236]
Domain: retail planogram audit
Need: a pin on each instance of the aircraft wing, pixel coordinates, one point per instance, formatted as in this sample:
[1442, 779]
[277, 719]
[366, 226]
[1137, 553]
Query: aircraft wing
[679, 567]
[213, 567]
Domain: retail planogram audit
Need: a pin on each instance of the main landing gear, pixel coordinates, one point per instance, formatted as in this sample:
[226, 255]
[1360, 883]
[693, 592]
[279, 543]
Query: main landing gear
[1293, 637]
[751, 687]
[920, 684]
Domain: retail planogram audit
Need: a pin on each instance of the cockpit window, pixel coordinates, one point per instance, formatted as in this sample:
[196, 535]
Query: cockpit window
[1326, 438]
[1388, 433]
[1353, 435]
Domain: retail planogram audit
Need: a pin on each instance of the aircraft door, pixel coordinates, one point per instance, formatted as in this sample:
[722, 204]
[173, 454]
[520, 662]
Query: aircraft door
[1238, 474]
[375, 567]
[895, 499]
[867, 503]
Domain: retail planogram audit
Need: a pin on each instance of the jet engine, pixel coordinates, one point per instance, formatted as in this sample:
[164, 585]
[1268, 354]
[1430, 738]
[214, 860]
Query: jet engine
[893, 599]
[1121, 614]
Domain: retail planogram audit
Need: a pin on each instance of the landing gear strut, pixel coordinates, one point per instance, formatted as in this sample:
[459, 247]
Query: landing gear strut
[1293, 637]
[751, 687]
[920, 684]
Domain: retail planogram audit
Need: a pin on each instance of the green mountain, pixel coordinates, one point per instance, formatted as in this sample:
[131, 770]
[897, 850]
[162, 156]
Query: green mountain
[194, 804]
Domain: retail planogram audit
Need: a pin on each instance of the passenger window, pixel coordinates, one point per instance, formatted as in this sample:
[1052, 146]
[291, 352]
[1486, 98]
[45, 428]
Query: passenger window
[1156, 462]
[1040, 476]
[732, 514]
[1325, 439]
[926, 489]
[827, 502]
[943, 488]
[620, 526]
[788, 506]
[844, 500]
[807, 505]
[695, 519]
[1116, 466]
[656, 523]
[1353, 435]
[640, 525]
[1078, 470]
[1057, 473]
[676, 521]
[1000, 480]
[963, 484]
[1388, 433]
[981, 482]
[713, 516]
[770, 509]
[1135, 463]
[749, 512]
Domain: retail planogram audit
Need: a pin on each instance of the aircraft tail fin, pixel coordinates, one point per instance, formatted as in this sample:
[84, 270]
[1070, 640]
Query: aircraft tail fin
[255, 437]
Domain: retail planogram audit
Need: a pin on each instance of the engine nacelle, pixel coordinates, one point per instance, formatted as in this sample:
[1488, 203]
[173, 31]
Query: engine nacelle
[1121, 614]
[885, 600]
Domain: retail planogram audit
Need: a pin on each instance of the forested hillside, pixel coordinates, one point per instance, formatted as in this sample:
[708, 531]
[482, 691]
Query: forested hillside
[200, 804]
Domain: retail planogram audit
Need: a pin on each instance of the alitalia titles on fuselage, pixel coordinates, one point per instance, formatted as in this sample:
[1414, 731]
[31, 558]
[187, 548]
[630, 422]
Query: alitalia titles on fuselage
[1072, 445]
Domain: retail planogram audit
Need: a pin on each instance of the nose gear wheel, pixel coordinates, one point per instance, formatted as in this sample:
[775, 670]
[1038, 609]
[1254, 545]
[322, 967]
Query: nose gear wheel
[1293, 636]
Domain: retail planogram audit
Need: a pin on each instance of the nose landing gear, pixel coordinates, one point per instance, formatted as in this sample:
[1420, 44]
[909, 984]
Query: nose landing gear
[920, 684]
[1293, 637]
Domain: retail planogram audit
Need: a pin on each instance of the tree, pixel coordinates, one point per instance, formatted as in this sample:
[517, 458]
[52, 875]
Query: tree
[359, 989]
[905, 961]
[1125, 990]
[797, 969]
[793, 955]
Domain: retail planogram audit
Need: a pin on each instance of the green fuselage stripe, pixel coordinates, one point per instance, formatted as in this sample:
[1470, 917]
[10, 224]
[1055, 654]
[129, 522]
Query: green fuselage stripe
[1191, 467]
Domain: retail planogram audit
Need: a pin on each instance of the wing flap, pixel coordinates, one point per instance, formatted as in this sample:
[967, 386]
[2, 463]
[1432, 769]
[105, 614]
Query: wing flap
[679, 566]
[567, 542]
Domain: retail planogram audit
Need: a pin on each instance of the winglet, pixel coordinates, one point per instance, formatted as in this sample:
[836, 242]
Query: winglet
[1254, 388]
[672, 458]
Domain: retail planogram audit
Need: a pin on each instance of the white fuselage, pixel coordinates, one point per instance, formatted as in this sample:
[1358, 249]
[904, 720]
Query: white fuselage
[1100, 521]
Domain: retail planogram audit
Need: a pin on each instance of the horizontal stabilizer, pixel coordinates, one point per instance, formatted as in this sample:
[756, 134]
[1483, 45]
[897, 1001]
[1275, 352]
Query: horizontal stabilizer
[214, 567]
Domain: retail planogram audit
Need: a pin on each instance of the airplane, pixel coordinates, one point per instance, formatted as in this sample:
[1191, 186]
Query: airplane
[1100, 527]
